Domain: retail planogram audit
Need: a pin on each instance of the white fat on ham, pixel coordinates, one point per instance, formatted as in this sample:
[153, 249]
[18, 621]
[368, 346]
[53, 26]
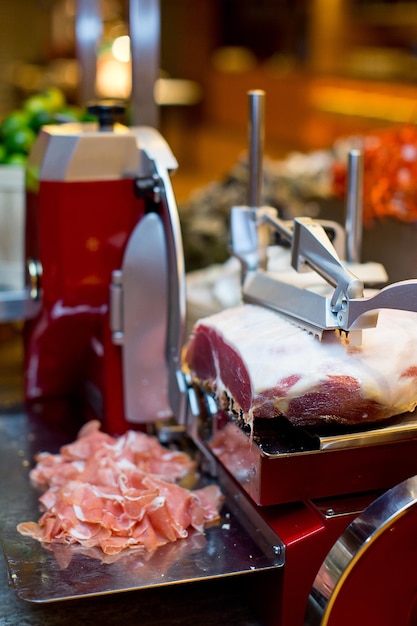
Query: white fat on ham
[262, 365]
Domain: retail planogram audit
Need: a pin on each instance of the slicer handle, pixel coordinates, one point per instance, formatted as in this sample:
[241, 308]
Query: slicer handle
[362, 313]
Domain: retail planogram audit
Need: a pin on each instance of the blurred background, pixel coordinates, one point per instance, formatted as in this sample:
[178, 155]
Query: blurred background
[329, 67]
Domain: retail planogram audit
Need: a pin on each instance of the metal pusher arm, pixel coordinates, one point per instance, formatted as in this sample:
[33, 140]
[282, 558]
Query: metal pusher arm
[311, 246]
[311, 249]
[347, 309]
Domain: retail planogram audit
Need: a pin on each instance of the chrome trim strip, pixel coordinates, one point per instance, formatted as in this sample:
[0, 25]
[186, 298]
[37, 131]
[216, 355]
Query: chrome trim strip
[353, 544]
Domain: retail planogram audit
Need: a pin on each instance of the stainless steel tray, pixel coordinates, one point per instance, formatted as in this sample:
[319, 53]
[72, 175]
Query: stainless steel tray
[40, 575]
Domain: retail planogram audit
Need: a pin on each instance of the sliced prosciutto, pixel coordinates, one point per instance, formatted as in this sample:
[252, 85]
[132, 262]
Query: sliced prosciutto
[118, 493]
[260, 365]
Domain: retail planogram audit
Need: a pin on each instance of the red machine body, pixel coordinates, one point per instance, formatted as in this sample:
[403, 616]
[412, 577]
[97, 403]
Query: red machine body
[351, 564]
[87, 191]
[304, 501]
[307, 534]
[78, 231]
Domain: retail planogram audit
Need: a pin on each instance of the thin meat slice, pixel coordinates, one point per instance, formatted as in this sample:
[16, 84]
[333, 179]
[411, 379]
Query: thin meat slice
[91, 455]
[118, 493]
[258, 364]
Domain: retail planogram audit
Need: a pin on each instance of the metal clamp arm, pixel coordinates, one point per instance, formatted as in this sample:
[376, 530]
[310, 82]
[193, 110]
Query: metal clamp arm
[312, 246]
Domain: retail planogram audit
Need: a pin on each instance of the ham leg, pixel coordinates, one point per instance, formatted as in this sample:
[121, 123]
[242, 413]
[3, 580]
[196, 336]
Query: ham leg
[260, 365]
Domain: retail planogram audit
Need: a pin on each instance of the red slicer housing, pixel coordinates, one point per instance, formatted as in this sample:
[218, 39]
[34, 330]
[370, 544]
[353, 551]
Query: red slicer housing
[85, 196]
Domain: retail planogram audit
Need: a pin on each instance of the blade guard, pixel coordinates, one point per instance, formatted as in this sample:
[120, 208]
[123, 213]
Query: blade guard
[148, 294]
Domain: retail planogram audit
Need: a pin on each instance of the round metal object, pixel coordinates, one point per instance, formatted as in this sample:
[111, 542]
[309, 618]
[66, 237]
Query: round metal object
[370, 574]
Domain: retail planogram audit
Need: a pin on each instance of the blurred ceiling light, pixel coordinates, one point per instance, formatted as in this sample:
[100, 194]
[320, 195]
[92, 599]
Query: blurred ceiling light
[114, 70]
[121, 49]
[114, 78]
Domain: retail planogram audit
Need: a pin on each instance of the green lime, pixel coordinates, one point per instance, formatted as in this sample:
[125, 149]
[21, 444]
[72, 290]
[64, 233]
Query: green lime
[36, 103]
[56, 98]
[41, 108]
[13, 122]
[16, 159]
[41, 118]
[20, 141]
[69, 114]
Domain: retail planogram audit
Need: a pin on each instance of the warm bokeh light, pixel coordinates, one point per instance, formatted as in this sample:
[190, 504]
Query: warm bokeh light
[114, 70]
[114, 79]
[121, 49]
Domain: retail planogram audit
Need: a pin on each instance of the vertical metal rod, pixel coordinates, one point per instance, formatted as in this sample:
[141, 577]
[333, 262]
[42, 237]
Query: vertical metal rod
[88, 31]
[144, 29]
[256, 136]
[354, 206]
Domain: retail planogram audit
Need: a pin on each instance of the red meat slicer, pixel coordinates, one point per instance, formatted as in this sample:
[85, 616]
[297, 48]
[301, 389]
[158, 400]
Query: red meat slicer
[98, 202]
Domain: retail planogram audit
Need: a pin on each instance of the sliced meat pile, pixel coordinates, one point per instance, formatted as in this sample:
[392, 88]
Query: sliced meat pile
[118, 493]
[260, 365]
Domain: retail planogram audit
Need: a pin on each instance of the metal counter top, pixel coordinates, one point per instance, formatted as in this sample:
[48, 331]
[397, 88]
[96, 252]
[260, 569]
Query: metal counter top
[202, 604]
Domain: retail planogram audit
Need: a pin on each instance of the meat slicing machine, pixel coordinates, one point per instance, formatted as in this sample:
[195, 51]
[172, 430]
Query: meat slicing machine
[334, 510]
[92, 200]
